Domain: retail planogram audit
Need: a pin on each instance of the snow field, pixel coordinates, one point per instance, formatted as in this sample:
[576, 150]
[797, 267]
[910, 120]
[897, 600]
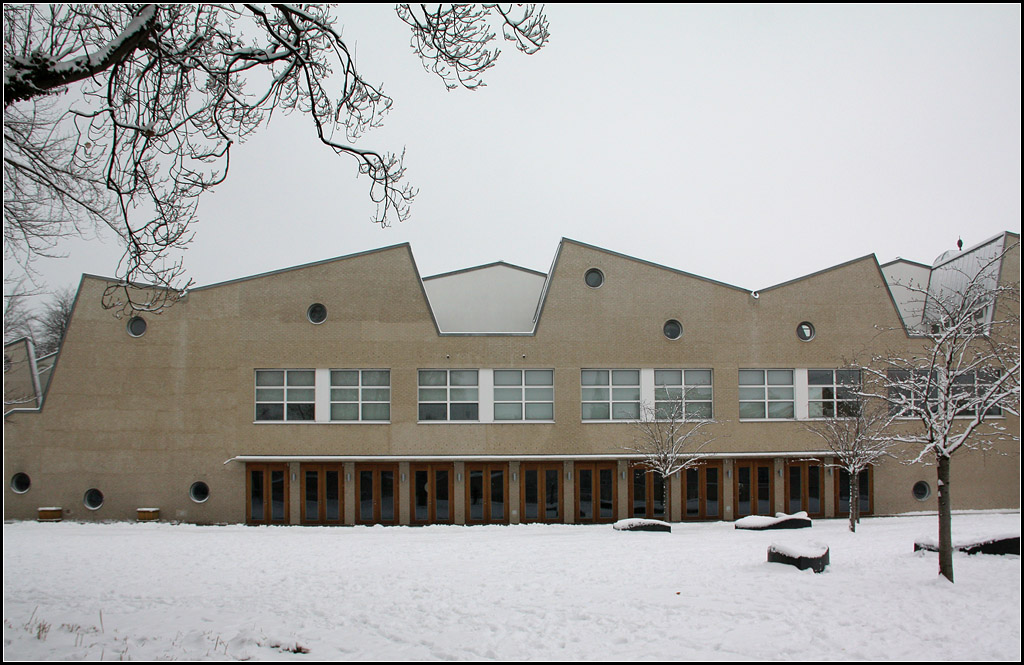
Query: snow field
[533, 592]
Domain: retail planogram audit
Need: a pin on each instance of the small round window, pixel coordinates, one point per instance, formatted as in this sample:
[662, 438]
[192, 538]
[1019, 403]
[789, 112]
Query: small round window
[673, 329]
[317, 313]
[594, 278]
[805, 331]
[136, 326]
[93, 499]
[922, 490]
[199, 492]
[20, 482]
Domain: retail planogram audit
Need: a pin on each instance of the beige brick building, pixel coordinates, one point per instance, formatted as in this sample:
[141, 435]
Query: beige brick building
[353, 391]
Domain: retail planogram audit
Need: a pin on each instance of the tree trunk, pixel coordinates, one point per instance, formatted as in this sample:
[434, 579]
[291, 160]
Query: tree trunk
[945, 520]
[664, 499]
[854, 500]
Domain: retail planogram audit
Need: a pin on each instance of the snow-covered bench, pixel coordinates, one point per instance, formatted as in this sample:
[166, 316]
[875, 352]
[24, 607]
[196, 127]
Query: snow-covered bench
[808, 555]
[780, 521]
[1005, 544]
[640, 524]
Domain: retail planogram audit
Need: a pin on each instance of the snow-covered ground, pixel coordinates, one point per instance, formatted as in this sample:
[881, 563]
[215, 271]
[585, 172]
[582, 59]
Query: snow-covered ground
[705, 591]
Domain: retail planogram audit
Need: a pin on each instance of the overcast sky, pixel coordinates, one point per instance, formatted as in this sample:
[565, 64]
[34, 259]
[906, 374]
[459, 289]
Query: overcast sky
[750, 145]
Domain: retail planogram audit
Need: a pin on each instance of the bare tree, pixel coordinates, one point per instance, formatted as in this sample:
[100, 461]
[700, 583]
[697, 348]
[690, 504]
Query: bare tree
[858, 439]
[153, 97]
[17, 316]
[52, 323]
[963, 379]
[670, 438]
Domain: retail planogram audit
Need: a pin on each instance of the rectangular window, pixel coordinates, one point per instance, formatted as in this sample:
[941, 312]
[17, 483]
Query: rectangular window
[833, 393]
[285, 394]
[908, 391]
[449, 394]
[683, 394]
[524, 394]
[610, 394]
[766, 393]
[361, 394]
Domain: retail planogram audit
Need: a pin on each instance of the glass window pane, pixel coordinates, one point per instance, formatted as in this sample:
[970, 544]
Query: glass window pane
[819, 377]
[595, 394]
[429, 377]
[780, 377]
[780, 409]
[376, 411]
[595, 377]
[508, 411]
[623, 394]
[304, 377]
[539, 377]
[626, 377]
[698, 377]
[540, 394]
[376, 377]
[301, 394]
[270, 394]
[625, 411]
[596, 411]
[750, 394]
[508, 377]
[751, 377]
[464, 411]
[433, 394]
[300, 412]
[751, 410]
[540, 411]
[464, 394]
[270, 412]
[780, 393]
[508, 394]
[464, 377]
[377, 394]
[269, 378]
[344, 412]
[433, 412]
[344, 377]
[668, 377]
[339, 394]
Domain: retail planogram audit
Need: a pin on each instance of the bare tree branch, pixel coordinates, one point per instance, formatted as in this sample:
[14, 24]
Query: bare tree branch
[122, 116]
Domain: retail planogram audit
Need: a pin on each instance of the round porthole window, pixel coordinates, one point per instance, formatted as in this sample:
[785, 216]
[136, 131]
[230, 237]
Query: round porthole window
[673, 329]
[317, 313]
[922, 490]
[199, 492]
[805, 331]
[594, 278]
[20, 482]
[136, 326]
[93, 499]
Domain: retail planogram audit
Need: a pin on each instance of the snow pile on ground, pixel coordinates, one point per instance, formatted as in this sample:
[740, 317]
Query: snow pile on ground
[636, 523]
[800, 550]
[762, 521]
[532, 592]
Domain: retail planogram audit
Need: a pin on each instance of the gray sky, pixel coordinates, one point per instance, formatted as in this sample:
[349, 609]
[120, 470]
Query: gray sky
[750, 145]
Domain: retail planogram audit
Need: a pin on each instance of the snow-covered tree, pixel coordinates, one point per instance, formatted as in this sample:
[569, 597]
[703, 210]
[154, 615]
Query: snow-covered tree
[857, 438]
[964, 377]
[122, 115]
[669, 437]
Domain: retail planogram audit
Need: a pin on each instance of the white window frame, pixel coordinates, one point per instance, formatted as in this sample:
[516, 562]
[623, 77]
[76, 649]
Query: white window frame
[286, 391]
[836, 388]
[616, 394]
[364, 395]
[686, 391]
[767, 399]
[448, 387]
[534, 394]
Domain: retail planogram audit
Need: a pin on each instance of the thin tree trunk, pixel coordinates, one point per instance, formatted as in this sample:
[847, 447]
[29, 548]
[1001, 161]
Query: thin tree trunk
[945, 520]
[854, 499]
